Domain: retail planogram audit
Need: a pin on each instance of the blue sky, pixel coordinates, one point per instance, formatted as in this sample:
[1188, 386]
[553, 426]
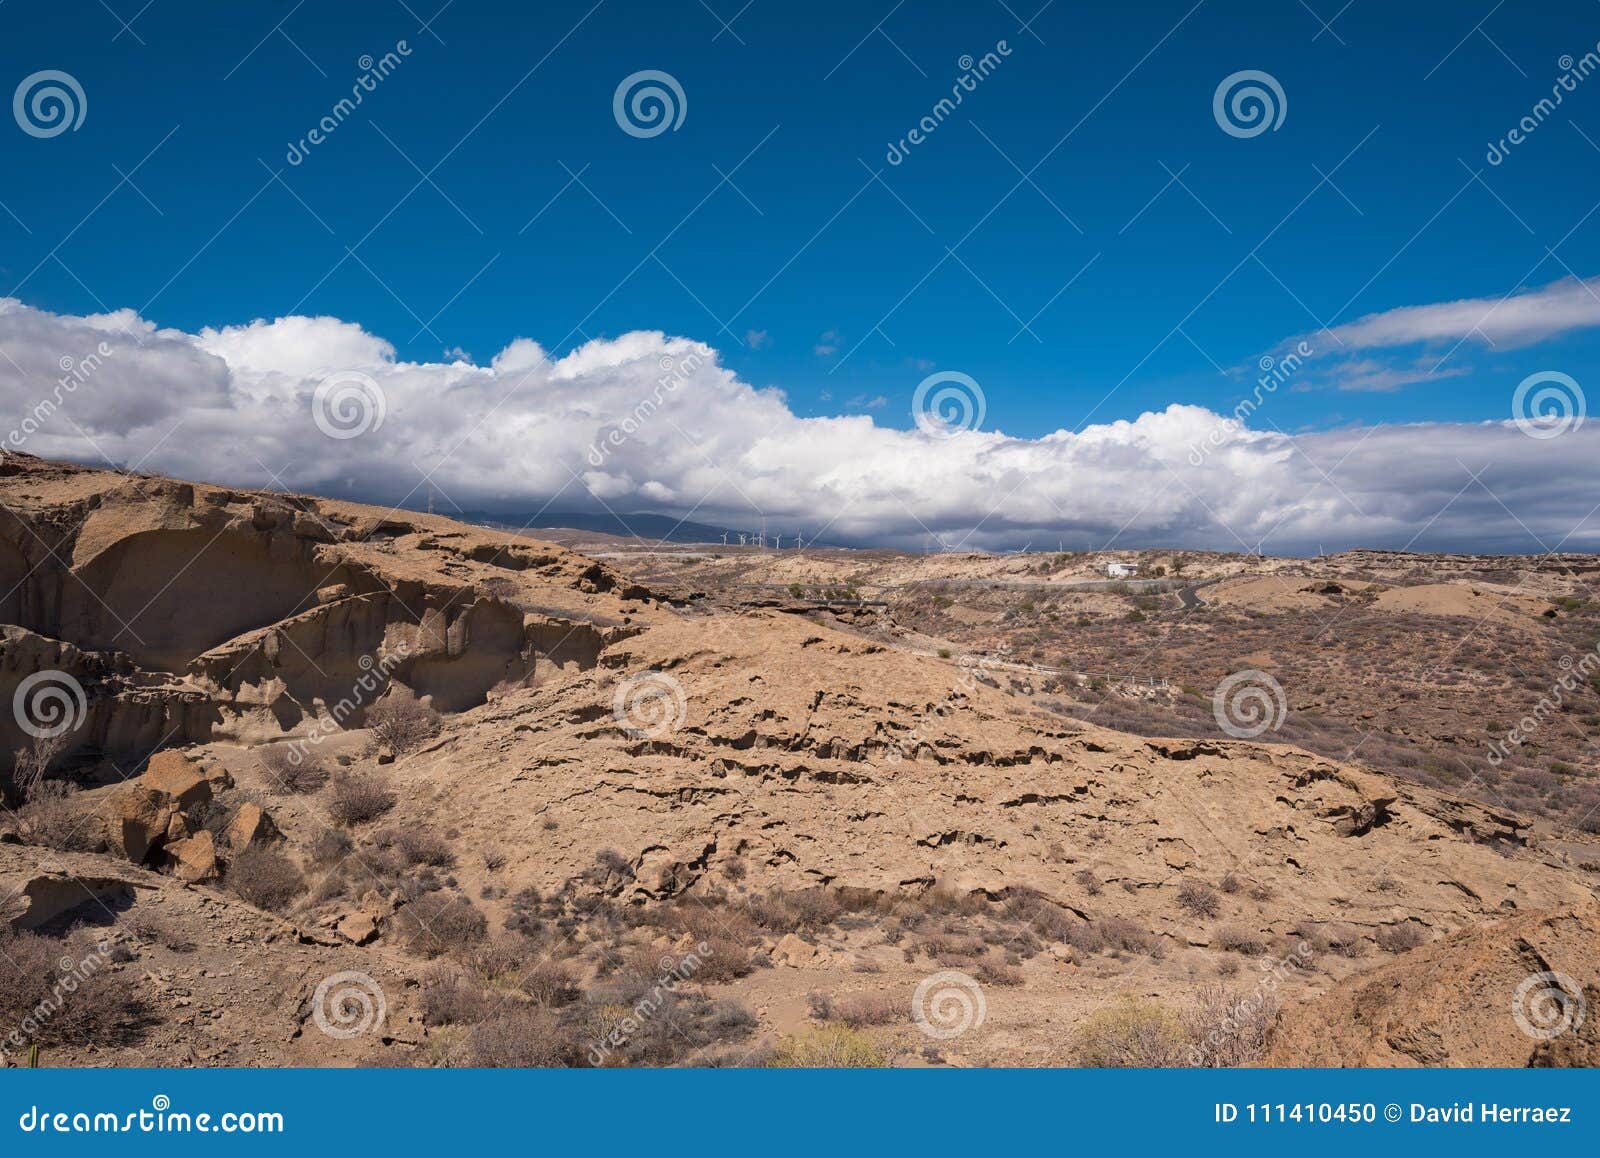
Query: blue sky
[1080, 236]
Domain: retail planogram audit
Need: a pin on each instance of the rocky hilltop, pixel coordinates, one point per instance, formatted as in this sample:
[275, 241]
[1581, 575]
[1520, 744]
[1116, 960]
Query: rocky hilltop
[509, 787]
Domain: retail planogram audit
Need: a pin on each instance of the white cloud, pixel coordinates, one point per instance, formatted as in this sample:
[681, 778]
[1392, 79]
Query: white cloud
[1505, 322]
[649, 422]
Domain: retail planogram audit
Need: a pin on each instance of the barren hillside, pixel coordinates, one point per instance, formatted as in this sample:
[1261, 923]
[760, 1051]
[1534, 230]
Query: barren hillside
[326, 783]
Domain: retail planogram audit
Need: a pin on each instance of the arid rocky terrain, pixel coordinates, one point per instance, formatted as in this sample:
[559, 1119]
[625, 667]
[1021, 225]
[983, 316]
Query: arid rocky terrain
[292, 781]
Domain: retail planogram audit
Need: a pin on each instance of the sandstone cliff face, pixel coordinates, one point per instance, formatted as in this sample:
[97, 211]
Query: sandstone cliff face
[188, 612]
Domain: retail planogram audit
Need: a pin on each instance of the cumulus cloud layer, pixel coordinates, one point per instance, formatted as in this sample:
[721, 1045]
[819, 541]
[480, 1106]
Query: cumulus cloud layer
[647, 422]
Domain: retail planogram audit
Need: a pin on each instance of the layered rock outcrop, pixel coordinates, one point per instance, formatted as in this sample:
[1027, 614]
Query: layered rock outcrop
[186, 612]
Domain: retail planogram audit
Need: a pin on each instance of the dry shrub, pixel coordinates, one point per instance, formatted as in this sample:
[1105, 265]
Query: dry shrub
[416, 846]
[1345, 940]
[1042, 915]
[830, 1047]
[1088, 882]
[266, 878]
[1230, 883]
[152, 927]
[1199, 898]
[549, 985]
[807, 910]
[724, 959]
[869, 1009]
[500, 959]
[1084, 936]
[1235, 938]
[1131, 1034]
[950, 949]
[329, 847]
[1121, 933]
[54, 817]
[1227, 1029]
[520, 1037]
[357, 797]
[711, 923]
[29, 764]
[997, 973]
[1332, 937]
[635, 1023]
[436, 923]
[402, 724]
[291, 770]
[944, 899]
[1400, 937]
[91, 1003]
[450, 997]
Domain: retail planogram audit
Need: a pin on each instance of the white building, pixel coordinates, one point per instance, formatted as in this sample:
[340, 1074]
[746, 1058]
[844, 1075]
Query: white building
[1121, 570]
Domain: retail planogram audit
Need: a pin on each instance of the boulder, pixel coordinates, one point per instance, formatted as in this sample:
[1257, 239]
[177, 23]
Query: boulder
[792, 951]
[195, 859]
[251, 825]
[41, 898]
[180, 827]
[357, 928]
[179, 777]
[139, 821]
